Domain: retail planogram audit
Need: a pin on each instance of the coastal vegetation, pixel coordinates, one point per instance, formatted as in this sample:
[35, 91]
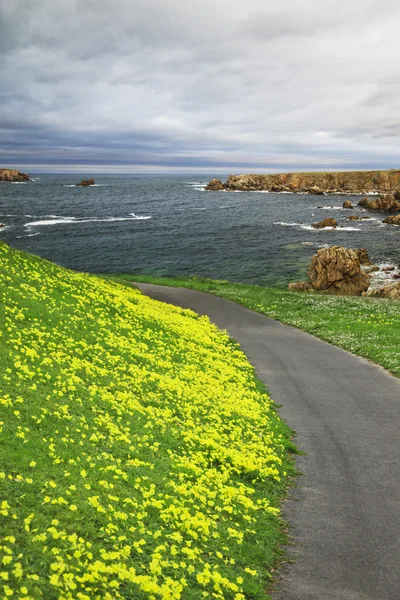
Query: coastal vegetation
[369, 327]
[140, 456]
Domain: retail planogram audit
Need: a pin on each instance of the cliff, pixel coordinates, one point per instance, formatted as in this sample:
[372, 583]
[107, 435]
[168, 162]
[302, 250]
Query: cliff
[13, 175]
[345, 182]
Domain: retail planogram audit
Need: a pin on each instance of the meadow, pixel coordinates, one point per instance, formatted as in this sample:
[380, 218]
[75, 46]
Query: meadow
[369, 327]
[140, 457]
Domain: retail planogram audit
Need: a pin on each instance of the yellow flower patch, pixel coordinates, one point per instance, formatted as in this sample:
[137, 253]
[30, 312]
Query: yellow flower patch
[140, 457]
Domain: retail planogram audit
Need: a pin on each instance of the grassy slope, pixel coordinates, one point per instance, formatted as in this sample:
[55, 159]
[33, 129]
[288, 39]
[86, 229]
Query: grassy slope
[368, 327]
[140, 457]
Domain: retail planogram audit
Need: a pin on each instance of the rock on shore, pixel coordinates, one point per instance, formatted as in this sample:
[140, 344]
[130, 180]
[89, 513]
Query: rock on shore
[336, 270]
[12, 175]
[345, 182]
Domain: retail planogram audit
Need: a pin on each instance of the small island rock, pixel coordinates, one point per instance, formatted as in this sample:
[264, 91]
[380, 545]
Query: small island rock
[85, 183]
[13, 175]
[392, 220]
[329, 222]
[347, 204]
[386, 203]
[215, 185]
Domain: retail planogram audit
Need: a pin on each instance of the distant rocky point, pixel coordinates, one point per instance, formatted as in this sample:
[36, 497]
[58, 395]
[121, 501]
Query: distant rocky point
[85, 183]
[12, 175]
[343, 182]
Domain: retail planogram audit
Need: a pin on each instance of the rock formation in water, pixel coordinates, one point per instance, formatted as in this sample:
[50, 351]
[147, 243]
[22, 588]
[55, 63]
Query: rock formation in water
[85, 183]
[347, 204]
[12, 175]
[328, 222]
[386, 203]
[392, 220]
[336, 270]
[345, 182]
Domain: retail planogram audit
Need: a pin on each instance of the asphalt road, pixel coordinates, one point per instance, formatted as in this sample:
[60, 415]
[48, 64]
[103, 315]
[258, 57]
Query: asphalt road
[345, 512]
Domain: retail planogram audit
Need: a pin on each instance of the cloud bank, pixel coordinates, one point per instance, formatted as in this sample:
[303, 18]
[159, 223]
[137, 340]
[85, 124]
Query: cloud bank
[202, 86]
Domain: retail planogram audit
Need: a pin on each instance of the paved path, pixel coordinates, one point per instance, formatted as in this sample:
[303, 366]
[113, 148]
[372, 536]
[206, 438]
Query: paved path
[345, 516]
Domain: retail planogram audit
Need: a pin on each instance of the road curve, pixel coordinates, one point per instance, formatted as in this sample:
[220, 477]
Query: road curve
[345, 517]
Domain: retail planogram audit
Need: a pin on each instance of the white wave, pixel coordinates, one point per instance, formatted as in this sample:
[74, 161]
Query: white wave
[310, 228]
[330, 208]
[197, 208]
[138, 217]
[70, 185]
[28, 235]
[287, 224]
[49, 222]
[18, 182]
[225, 206]
[55, 220]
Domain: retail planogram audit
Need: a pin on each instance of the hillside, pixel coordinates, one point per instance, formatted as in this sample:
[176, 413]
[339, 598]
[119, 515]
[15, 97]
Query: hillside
[351, 182]
[140, 457]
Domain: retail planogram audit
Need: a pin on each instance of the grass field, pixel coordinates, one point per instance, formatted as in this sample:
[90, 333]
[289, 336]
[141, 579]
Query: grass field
[369, 327]
[139, 455]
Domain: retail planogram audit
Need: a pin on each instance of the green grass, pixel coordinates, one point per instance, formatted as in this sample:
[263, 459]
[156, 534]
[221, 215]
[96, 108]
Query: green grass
[140, 458]
[368, 327]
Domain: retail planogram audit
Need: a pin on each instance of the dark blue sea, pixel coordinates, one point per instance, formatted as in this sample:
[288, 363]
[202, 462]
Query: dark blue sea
[168, 225]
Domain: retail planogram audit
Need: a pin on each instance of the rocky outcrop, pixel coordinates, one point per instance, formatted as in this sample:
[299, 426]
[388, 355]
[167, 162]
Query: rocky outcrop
[356, 218]
[363, 257]
[13, 175]
[336, 270]
[329, 222]
[85, 183]
[344, 182]
[391, 291]
[386, 203]
[215, 185]
[392, 220]
[315, 190]
[347, 204]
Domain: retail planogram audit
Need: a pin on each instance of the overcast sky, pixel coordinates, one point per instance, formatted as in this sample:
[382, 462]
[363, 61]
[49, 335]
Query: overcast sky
[199, 85]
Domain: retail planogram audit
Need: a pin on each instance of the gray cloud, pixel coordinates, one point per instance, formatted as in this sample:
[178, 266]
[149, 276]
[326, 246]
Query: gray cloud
[218, 86]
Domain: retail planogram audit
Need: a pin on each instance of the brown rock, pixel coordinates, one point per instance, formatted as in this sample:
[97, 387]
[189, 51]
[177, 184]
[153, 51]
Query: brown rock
[387, 269]
[13, 175]
[329, 222]
[347, 204]
[215, 185]
[300, 286]
[372, 269]
[386, 203]
[392, 220]
[85, 182]
[337, 270]
[391, 291]
[362, 256]
[356, 218]
[315, 190]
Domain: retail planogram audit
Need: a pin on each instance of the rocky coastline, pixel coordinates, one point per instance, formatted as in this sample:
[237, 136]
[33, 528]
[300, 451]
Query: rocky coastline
[13, 175]
[343, 182]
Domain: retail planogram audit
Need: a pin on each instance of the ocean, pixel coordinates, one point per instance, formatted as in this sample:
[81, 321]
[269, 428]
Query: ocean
[170, 226]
